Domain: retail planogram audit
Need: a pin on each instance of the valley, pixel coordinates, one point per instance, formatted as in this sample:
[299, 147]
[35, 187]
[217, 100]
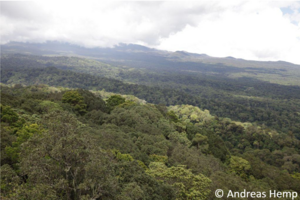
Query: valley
[134, 129]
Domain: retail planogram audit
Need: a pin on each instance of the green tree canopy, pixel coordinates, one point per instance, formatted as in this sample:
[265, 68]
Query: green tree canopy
[239, 166]
[73, 98]
[67, 161]
[114, 101]
[8, 115]
[187, 184]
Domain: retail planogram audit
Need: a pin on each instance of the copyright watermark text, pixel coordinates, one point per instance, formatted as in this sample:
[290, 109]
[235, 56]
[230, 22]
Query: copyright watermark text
[219, 193]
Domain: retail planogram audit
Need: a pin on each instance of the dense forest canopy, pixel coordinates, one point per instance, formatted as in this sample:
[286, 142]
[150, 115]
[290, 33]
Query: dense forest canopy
[154, 60]
[75, 128]
[272, 105]
[59, 143]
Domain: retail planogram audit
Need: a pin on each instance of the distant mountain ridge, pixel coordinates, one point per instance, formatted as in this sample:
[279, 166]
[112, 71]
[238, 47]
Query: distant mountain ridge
[60, 48]
[141, 57]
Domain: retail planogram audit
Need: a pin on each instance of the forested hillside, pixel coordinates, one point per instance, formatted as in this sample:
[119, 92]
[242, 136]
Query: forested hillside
[142, 100]
[246, 100]
[60, 143]
[154, 60]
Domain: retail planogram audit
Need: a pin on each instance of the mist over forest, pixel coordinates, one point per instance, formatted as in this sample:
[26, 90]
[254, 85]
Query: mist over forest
[153, 112]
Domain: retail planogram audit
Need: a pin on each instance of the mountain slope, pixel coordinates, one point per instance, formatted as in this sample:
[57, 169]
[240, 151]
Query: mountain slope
[274, 106]
[50, 142]
[182, 62]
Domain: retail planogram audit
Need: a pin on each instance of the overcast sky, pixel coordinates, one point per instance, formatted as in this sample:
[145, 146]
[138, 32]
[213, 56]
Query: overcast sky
[256, 30]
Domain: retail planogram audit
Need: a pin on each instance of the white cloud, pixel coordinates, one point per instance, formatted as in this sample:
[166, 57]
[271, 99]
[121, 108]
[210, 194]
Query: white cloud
[253, 32]
[244, 29]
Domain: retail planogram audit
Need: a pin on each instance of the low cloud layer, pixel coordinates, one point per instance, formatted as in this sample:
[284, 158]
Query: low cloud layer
[250, 30]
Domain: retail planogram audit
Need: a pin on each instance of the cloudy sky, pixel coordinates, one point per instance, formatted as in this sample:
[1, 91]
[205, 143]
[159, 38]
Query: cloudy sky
[255, 30]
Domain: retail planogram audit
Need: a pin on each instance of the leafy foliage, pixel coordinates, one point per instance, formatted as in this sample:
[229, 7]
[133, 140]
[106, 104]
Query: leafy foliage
[8, 115]
[243, 99]
[23, 135]
[76, 100]
[114, 101]
[188, 185]
[50, 150]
